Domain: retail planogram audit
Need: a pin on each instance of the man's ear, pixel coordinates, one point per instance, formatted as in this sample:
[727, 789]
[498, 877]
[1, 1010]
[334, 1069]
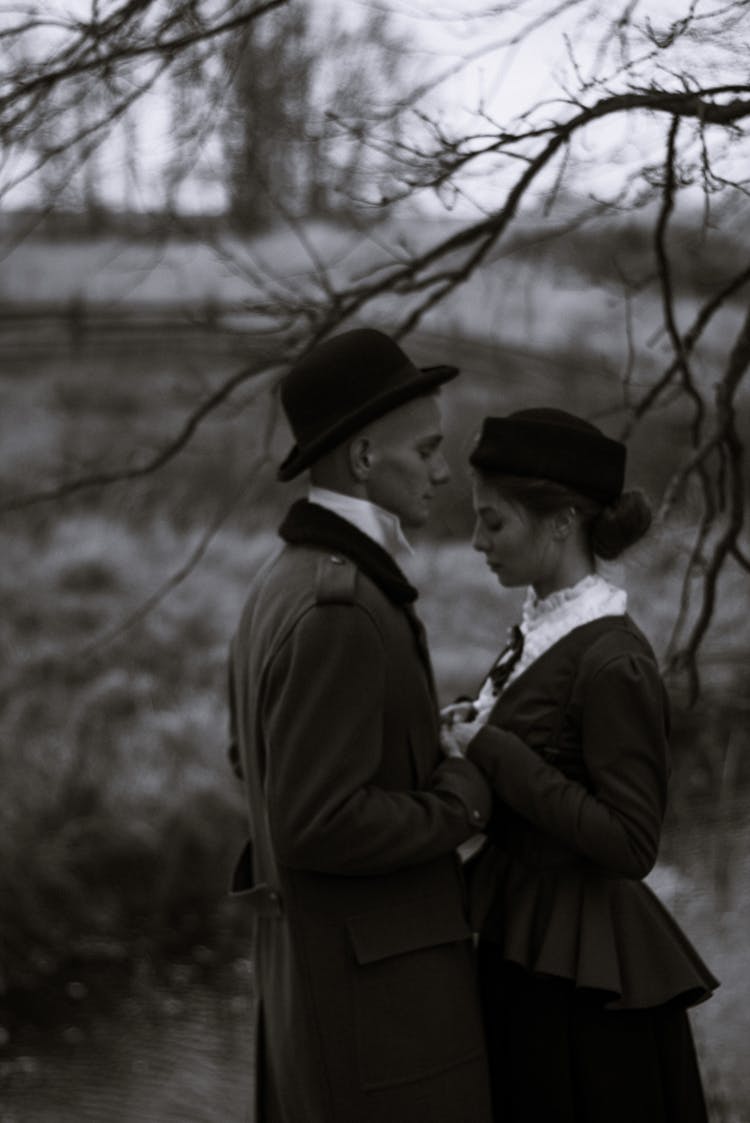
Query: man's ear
[360, 458]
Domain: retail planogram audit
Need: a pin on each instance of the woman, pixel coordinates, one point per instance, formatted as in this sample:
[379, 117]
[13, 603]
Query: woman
[584, 976]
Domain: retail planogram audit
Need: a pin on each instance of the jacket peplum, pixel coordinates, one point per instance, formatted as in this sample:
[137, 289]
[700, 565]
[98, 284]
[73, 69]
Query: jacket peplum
[368, 1007]
[576, 748]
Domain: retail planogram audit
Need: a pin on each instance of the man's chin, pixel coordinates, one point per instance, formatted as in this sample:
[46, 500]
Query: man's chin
[415, 520]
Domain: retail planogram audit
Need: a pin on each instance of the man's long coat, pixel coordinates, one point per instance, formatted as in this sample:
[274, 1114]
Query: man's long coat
[367, 992]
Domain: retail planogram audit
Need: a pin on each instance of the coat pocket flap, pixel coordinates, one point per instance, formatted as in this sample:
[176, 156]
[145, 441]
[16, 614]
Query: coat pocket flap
[265, 899]
[422, 923]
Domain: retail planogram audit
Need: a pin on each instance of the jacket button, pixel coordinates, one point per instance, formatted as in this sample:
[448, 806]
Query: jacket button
[476, 815]
[336, 559]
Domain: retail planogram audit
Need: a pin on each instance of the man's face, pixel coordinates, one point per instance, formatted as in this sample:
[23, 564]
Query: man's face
[406, 461]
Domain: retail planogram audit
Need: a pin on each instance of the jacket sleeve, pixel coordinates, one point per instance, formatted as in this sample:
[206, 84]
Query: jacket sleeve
[616, 822]
[323, 731]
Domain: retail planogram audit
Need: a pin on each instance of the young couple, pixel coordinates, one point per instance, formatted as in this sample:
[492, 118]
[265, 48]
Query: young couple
[375, 1004]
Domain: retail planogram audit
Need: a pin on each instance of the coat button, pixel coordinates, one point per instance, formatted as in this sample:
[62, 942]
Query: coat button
[336, 559]
[477, 815]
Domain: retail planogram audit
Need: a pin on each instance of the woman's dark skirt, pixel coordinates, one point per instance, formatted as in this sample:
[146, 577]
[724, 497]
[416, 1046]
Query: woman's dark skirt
[558, 1056]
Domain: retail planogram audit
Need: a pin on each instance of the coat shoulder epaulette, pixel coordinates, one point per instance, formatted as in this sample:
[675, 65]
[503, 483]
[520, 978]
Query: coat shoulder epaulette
[335, 580]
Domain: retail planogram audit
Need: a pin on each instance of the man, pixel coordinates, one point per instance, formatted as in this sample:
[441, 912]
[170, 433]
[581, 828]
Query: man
[364, 966]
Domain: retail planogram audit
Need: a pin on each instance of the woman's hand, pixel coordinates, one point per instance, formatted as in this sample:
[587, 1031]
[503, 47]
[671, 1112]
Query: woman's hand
[455, 738]
[457, 711]
[450, 717]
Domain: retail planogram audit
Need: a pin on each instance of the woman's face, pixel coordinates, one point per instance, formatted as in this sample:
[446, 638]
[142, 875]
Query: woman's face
[520, 548]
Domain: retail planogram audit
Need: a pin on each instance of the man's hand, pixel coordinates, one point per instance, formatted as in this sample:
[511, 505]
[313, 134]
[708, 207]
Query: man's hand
[455, 738]
[457, 711]
[449, 744]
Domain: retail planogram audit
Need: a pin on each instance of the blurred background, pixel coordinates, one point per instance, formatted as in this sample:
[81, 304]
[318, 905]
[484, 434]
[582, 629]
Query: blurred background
[192, 193]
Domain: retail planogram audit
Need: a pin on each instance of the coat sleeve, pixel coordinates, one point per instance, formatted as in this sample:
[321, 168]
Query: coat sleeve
[616, 821]
[323, 731]
[233, 748]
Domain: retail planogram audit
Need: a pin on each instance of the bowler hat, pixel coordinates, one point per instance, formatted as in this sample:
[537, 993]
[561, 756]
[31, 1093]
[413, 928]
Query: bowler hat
[342, 385]
[551, 444]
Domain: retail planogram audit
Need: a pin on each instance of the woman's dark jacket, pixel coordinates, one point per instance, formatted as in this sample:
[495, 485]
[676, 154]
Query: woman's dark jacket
[576, 749]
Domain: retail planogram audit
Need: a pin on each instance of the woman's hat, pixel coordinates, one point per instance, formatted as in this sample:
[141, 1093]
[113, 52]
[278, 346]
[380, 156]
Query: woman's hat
[550, 444]
[342, 385]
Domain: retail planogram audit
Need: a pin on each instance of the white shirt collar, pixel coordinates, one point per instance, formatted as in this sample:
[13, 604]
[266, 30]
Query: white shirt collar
[377, 523]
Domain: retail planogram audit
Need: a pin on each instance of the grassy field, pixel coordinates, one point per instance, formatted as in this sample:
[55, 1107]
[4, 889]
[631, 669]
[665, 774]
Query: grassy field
[118, 809]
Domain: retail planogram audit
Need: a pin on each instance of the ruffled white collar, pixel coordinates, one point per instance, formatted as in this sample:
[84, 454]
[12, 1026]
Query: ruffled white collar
[545, 620]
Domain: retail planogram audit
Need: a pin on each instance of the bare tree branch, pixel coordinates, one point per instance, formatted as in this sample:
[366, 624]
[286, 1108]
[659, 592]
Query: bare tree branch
[665, 277]
[156, 45]
[689, 340]
[340, 306]
[55, 108]
[726, 544]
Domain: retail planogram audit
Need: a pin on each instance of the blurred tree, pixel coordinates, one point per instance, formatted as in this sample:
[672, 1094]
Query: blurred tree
[68, 76]
[250, 89]
[281, 142]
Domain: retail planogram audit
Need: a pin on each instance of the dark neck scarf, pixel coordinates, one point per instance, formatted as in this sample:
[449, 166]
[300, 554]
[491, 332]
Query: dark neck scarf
[308, 524]
[506, 660]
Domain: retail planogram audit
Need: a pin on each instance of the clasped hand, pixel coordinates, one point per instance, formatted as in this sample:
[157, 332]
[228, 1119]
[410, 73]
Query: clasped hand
[458, 726]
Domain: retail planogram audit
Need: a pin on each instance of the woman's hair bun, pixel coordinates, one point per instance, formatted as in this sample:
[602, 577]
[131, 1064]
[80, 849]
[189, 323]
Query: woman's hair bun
[620, 524]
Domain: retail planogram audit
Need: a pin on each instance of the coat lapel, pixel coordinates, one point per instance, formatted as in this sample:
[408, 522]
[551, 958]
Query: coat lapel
[420, 637]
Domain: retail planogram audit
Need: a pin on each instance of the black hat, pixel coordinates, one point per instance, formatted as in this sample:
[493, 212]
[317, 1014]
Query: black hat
[342, 385]
[550, 444]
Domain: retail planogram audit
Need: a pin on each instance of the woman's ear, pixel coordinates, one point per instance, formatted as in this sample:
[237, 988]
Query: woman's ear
[564, 523]
[360, 458]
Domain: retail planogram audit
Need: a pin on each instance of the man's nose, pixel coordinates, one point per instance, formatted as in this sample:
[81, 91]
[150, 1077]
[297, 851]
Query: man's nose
[440, 473]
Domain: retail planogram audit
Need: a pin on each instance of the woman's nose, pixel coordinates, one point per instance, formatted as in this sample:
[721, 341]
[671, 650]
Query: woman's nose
[479, 538]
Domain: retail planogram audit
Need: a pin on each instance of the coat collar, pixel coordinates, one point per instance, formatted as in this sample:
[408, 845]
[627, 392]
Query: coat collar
[307, 524]
[374, 521]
